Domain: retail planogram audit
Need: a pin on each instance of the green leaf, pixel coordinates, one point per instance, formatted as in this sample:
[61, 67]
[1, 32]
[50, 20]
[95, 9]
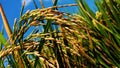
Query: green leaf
[35, 4]
[2, 38]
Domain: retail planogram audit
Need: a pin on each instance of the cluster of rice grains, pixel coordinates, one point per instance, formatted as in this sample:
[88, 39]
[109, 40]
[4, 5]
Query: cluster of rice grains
[51, 46]
[49, 38]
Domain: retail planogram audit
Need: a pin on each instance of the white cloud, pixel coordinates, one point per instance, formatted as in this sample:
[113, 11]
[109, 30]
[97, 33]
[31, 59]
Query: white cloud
[27, 2]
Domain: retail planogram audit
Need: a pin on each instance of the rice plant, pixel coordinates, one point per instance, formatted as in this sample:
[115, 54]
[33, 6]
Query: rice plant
[49, 38]
[102, 32]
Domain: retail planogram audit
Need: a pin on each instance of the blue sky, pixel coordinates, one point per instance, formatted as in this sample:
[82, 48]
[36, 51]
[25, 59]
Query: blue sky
[12, 8]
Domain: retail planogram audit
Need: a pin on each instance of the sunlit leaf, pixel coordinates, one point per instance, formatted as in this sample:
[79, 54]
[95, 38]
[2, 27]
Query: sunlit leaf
[2, 39]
